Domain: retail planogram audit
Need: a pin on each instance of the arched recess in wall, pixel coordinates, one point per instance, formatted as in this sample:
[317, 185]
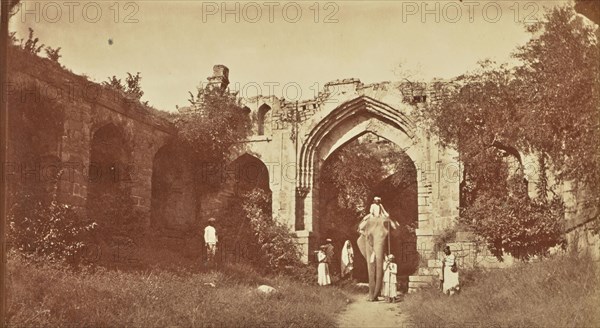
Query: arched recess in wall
[173, 201]
[237, 178]
[261, 117]
[35, 136]
[497, 155]
[109, 174]
[344, 124]
[250, 172]
[245, 176]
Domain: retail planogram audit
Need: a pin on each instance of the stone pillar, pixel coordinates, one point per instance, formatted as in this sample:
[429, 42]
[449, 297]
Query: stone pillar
[305, 240]
[140, 171]
[425, 236]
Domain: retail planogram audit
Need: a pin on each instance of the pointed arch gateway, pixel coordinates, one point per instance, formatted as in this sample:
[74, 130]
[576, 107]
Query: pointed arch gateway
[345, 123]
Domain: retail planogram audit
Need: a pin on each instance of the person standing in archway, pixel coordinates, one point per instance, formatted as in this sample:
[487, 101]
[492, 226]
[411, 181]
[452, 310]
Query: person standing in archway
[210, 241]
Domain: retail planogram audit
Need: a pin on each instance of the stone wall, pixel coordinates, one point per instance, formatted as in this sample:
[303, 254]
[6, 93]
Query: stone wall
[292, 139]
[83, 107]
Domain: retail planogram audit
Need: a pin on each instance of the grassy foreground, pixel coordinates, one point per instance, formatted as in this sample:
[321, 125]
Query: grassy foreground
[48, 295]
[559, 292]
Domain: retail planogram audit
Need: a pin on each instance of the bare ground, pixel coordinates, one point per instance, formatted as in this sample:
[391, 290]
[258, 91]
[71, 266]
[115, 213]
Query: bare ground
[361, 313]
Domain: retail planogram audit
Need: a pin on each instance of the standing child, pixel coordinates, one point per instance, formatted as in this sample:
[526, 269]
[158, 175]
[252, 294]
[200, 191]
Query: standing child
[390, 289]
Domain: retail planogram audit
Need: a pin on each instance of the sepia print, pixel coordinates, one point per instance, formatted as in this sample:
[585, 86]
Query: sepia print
[300, 163]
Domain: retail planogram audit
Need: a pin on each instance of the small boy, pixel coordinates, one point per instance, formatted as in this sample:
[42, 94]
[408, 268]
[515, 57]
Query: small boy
[390, 289]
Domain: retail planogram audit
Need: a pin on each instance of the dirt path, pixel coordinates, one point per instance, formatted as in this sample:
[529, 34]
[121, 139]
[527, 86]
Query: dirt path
[361, 313]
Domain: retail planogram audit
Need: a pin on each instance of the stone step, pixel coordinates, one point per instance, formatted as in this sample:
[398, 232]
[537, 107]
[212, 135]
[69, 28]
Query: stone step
[424, 278]
[429, 271]
[414, 286]
[434, 263]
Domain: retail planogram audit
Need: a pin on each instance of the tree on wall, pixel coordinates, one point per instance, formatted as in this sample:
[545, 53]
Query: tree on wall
[560, 116]
[547, 105]
[210, 132]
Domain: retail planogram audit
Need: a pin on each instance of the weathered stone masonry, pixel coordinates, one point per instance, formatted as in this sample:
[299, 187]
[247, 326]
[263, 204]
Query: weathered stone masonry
[292, 139]
[88, 107]
[294, 152]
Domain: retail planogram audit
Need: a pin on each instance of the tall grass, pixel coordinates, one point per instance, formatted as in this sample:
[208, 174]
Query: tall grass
[44, 295]
[558, 292]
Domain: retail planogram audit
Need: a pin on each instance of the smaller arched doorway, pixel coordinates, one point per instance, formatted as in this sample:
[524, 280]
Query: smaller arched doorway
[109, 179]
[244, 179]
[174, 194]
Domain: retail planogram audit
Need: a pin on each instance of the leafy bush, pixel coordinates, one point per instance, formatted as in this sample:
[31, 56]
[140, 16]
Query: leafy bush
[519, 226]
[53, 54]
[118, 219]
[447, 236]
[48, 230]
[278, 250]
[132, 88]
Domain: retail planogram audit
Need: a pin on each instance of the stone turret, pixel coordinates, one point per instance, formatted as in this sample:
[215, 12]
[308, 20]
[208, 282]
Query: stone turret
[220, 77]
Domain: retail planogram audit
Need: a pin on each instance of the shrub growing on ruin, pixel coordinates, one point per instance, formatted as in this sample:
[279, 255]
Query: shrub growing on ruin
[277, 247]
[48, 229]
[213, 128]
[547, 106]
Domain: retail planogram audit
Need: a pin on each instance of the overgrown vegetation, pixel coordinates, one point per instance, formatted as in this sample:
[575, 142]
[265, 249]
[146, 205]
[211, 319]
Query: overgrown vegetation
[276, 245]
[211, 131]
[47, 295]
[558, 292]
[47, 230]
[31, 46]
[131, 88]
[494, 117]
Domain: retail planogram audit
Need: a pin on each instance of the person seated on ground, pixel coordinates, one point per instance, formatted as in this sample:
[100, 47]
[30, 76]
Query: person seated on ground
[390, 287]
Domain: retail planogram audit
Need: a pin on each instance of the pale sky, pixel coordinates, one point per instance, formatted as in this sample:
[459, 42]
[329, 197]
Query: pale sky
[174, 44]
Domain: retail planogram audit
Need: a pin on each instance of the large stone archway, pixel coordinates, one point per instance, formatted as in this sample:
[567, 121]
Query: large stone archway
[294, 151]
[347, 122]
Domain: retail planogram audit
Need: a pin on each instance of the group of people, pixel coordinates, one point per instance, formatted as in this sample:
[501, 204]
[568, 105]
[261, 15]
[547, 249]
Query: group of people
[325, 257]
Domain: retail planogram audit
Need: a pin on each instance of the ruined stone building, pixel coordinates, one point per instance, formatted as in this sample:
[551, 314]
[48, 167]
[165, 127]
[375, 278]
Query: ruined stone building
[97, 136]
